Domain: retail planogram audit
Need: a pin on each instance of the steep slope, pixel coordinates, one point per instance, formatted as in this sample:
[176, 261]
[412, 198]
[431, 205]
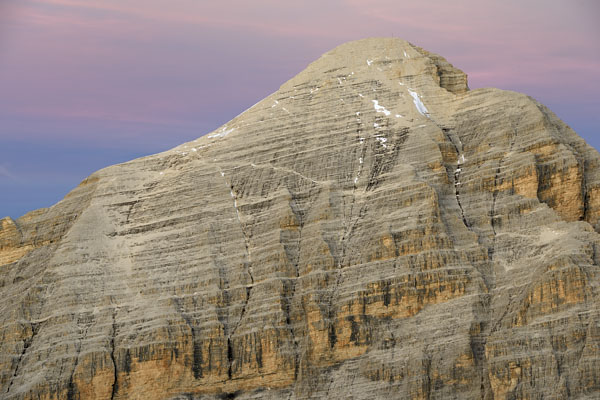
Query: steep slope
[374, 229]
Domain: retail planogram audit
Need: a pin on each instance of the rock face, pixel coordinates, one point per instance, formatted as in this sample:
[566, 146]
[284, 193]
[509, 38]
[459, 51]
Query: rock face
[374, 229]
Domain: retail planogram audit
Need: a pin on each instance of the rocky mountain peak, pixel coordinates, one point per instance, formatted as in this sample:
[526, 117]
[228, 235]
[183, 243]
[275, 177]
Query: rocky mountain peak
[373, 229]
[388, 59]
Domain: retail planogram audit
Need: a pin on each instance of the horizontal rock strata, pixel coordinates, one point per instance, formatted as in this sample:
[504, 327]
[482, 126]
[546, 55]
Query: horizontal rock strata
[374, 229]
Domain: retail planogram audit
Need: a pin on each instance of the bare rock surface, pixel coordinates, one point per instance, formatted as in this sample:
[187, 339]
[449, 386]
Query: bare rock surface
[374, 229]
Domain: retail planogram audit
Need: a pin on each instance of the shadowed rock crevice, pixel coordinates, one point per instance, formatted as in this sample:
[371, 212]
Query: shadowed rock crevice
[299, 206]
[84, 322]
[34, 329]
[195, 339]
[113, 334]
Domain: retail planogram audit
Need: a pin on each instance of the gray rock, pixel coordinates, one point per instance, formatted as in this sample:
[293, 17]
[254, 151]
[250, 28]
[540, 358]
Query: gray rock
[374, 229]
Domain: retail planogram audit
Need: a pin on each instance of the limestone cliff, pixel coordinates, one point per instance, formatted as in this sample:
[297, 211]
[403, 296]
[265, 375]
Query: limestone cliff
[374, 229]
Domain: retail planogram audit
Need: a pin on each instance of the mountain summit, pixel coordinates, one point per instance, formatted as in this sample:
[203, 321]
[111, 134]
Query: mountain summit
[374, 229]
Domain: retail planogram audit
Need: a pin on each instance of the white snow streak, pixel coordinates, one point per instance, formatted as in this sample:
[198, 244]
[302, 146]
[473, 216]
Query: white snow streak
[379, 108]
[418, 103]
[222, 133]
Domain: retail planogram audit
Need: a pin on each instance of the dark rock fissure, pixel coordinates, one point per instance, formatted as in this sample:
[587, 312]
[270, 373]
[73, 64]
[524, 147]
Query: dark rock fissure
[71, 389]
[229, 358]
[248, 268]
[35, 327]
[299, 213]
[457, 184]
[478, 335]
[339, 265]
[457, 171]
[217, 256]
[197, 359]
[427, 378]
[115, 385]
[492, 248]
[197, 356]
[384, 160]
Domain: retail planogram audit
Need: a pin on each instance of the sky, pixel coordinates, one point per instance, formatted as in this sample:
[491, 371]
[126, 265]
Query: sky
[87, 83]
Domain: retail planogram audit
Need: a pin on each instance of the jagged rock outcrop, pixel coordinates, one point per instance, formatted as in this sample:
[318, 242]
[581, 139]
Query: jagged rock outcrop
[374, 229]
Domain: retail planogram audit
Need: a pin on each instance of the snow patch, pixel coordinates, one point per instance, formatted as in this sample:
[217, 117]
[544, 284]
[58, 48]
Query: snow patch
[418, 103]
[222, 133]
[382, 141]
[379, 108]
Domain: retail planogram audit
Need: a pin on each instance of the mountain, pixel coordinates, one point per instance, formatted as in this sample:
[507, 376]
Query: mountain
[374, 229]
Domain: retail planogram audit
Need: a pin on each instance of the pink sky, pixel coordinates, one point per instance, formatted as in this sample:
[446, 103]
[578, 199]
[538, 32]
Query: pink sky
[142, 76]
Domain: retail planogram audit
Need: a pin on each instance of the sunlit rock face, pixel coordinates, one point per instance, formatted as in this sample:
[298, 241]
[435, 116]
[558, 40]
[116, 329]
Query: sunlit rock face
[373, 229]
